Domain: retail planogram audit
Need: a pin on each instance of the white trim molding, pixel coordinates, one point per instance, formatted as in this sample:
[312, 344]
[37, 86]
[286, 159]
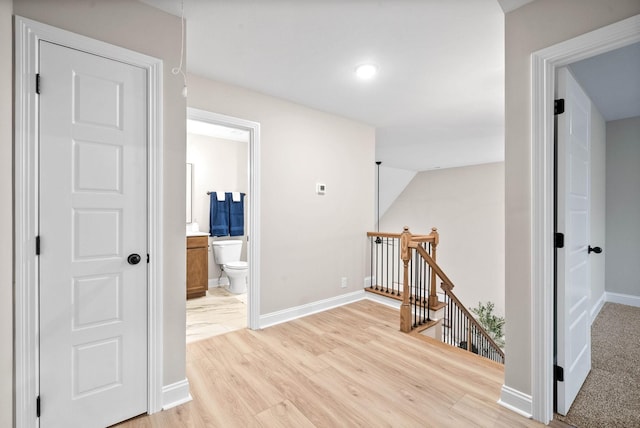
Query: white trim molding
[623, 299]
[28, 34]
[253, 221]
[296, 312]
[387, 301]
[543, 68]
[595, 310]
[175, 394]
[515, 401]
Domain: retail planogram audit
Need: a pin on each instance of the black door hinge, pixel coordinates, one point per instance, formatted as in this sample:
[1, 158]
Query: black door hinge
[38, 83]
[37, 245]
[559, 372]
[559, 240]
[147, 258]
[558, 106]
[38, 406]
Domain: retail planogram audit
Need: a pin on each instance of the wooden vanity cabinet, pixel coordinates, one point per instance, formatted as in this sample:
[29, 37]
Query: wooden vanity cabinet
[197, 266]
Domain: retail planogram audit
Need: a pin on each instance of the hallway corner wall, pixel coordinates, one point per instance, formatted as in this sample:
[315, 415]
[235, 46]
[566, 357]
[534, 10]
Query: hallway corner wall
[6, 215]
[623, 207]
[532, 27]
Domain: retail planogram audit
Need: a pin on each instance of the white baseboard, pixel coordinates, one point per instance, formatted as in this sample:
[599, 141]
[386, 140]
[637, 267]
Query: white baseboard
[175, 394]
[289, 314]
[623, 299]
[383, 300]
[598, 306]
[516, 401]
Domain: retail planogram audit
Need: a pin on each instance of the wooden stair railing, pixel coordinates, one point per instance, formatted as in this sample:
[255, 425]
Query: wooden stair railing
[387, 264]
[409, 253]
[476, 338]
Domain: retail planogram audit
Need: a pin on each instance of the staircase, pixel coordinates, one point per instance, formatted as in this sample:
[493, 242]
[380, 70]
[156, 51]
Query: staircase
[404, 268]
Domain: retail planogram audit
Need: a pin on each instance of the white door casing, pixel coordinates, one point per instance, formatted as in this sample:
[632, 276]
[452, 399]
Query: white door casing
[93, 214]
[28, 35]
[543, 68]
[253, 241]
[573, 329]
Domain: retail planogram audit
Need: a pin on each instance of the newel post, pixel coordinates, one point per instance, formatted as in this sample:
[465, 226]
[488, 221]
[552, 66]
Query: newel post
[433, 297]
[405, 308]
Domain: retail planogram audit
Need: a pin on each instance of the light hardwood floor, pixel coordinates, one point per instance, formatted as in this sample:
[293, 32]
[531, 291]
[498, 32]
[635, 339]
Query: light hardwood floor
[349, 366]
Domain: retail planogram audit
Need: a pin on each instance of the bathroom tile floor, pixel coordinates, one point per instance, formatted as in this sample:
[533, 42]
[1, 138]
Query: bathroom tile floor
[216, 313]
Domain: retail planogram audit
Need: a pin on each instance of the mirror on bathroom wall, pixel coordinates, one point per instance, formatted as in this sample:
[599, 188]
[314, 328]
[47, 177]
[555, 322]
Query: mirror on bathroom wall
[189, 192]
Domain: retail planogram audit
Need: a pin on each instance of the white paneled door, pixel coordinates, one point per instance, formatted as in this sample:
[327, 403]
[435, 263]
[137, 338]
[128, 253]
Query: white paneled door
[573, 328]
[93, 239]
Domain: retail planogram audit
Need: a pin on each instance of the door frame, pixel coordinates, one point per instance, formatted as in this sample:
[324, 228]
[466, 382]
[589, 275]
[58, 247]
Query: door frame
[543, 68]
[253, 247]
[28, 34]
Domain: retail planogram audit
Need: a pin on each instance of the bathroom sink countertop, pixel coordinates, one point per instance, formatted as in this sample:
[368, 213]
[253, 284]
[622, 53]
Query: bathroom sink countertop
[197, 234]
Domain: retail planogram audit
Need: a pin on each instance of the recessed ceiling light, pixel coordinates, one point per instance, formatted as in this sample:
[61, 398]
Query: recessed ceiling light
[366, 71]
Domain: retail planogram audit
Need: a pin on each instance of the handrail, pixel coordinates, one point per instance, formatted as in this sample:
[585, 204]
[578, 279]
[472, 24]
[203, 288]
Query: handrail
[432, 237]
[404, 267]
[407, 242]
[478, 327]
[427, 258]
[447, 286]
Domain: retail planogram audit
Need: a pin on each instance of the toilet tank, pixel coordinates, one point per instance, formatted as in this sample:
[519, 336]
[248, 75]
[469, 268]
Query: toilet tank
[226, 251]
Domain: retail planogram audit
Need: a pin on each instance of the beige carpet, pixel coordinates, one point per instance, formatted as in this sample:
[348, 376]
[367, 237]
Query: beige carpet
[610, 397]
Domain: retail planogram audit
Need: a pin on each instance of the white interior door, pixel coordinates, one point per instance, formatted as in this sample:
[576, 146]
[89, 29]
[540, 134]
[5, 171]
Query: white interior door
[573, 327]
[93, 215]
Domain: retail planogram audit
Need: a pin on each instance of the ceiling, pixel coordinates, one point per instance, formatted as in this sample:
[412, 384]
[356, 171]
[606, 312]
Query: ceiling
[437, 101]
[612, 81]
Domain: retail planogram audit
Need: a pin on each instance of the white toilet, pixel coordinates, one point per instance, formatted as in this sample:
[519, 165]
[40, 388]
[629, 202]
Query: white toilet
[227, 254]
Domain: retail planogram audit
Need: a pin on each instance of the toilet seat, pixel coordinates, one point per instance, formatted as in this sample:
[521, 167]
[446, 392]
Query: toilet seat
[236, 265]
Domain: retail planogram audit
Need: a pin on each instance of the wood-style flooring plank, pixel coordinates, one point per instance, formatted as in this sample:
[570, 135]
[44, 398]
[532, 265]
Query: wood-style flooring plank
[283, 415]
[346, 367]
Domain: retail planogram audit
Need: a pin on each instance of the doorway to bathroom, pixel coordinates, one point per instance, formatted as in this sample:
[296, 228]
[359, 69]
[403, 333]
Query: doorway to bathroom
[222, 178]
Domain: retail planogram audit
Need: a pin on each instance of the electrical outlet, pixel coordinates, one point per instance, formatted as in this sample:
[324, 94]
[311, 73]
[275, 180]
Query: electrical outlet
[343, 283]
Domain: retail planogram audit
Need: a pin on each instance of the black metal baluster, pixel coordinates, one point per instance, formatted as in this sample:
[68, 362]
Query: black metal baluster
[393, 264]
[371, 262]
[422, 317]
[399, 259]
[386, 250]
[378, 270]
[461, 328]
[416, 281]
[448, 318]
[416, 299]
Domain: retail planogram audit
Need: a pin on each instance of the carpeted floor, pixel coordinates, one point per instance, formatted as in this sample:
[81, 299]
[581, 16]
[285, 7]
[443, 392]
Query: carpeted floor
[610, 397]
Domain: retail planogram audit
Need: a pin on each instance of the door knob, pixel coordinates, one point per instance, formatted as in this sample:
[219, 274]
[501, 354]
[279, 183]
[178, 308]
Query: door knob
[134, 259]
[596, 250]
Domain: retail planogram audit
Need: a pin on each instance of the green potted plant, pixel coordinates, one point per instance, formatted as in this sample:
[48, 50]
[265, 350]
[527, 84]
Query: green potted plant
[493, 324]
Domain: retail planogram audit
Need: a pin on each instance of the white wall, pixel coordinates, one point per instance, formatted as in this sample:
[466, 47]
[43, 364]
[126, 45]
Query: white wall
[393, 181]
[598, 208]
[144, 29]
[466, 204]
[218, 165]
[308, 242]
[530, 28]
[623, 204]
[6, 217]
